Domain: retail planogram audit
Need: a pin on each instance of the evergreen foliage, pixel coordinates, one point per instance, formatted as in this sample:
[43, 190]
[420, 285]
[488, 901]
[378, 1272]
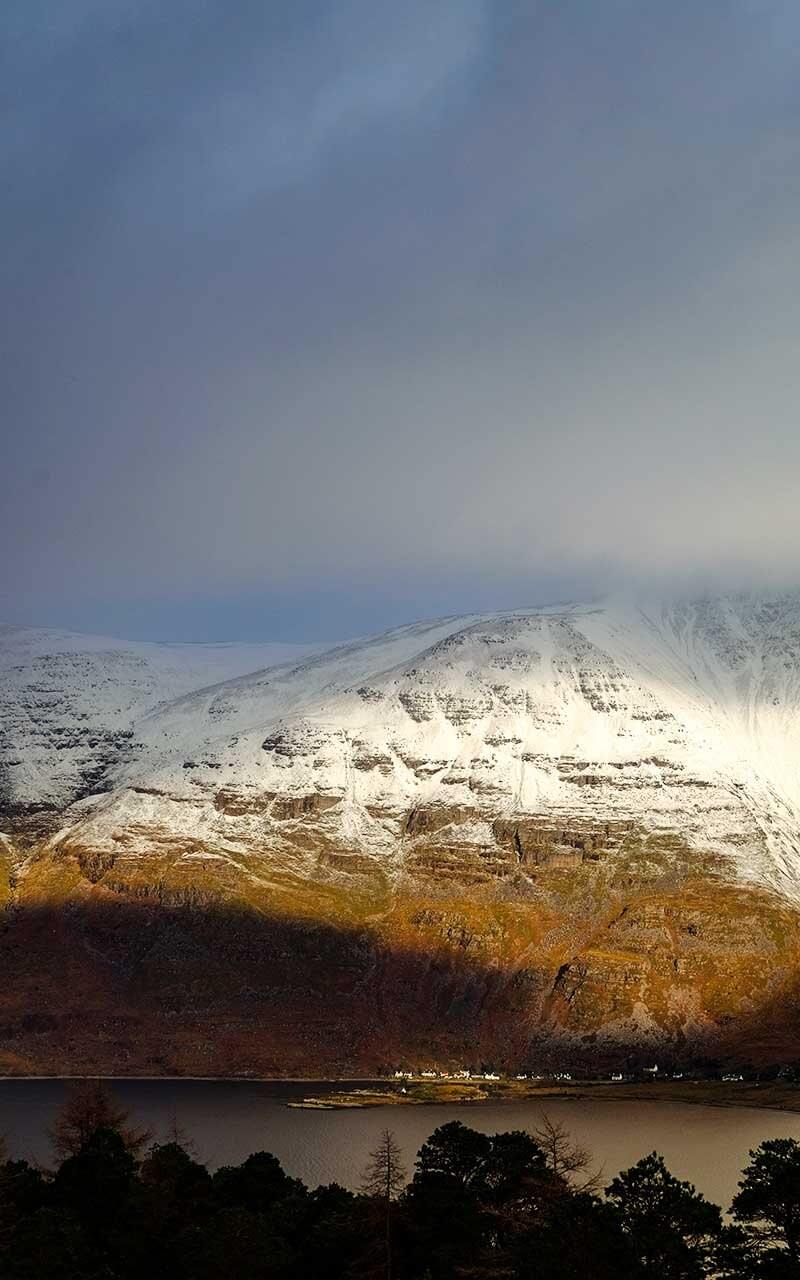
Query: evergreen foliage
[479, 1207]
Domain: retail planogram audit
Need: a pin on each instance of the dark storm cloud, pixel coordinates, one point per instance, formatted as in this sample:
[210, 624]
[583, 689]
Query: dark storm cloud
[336, 313]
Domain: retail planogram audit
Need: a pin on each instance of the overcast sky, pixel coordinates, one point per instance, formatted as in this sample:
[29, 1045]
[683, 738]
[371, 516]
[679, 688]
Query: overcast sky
[320, 317]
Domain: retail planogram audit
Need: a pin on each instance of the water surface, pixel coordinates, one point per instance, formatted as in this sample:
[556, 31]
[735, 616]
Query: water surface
[229, 1119]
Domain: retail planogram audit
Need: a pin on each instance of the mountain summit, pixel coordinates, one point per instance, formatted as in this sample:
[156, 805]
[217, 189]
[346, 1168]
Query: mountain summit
[592, 812]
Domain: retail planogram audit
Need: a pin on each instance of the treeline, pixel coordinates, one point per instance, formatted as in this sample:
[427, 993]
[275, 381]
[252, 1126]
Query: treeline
[119, 1206]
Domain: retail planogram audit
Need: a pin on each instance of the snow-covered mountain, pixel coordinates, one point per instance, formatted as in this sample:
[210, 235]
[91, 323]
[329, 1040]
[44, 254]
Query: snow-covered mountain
[544, 836]
[680, 718]
[69, 705]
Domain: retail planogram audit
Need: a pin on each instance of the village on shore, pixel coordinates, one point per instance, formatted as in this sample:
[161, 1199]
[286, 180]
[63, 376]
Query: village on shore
[776, 1089]
[616, 1077]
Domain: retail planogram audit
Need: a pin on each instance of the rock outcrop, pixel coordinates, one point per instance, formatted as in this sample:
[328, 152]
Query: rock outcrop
[558, 835]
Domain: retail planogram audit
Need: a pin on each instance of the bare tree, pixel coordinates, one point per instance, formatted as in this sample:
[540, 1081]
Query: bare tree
[175, 1133]
[90, 1106]
[384, 1178]
[565, 1158]
[385, 1175]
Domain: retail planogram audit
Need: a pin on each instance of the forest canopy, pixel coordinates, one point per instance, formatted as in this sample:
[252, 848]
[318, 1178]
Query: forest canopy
[119, 1205]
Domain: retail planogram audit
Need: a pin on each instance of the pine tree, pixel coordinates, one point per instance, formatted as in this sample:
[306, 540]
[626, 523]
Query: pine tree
[90, 1106]
[177, 1136]
[384, 1178]
[768, 1201]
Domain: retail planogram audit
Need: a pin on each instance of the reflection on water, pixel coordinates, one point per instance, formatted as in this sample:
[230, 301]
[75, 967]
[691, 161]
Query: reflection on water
[229, 1119]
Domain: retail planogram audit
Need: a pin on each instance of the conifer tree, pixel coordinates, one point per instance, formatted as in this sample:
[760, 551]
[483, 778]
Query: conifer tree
[90, 1106]
[384, 1178]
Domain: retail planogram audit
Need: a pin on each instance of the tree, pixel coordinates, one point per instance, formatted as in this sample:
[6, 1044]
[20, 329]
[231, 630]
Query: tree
[96, 1181]
[768, 1201]
[174, 1189]
[332, 1233]
[235, 1242]
[385, 1175]
[49, 1243]
[22, 1192]
[90, 1106]
[472, 1196]
[566, 1158]
[517, 1193]
[514, 1165]
[736, 1255]
[177, 1136]
[256, 1184]
[673, 1227]
[97, 1188]
[456, 1151]
[580, 1238]
[384, 1178]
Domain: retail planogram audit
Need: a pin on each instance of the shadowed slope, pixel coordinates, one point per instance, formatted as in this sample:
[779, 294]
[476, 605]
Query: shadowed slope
[169, 974]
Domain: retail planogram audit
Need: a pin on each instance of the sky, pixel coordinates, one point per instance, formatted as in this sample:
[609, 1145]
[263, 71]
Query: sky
[317, 318]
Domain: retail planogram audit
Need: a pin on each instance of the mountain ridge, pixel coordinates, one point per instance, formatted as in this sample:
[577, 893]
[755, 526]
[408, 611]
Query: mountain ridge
[563, 712]
[548, 835]
[69, 703]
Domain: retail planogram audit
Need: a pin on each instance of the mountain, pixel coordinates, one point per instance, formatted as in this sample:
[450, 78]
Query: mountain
[549, 835]
[69, 704]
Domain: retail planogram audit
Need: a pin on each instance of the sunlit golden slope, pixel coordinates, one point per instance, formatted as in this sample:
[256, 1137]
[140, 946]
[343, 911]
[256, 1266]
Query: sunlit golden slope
[611, 947]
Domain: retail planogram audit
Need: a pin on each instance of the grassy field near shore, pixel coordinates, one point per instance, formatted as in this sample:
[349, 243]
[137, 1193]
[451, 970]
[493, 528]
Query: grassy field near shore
[778, 1095]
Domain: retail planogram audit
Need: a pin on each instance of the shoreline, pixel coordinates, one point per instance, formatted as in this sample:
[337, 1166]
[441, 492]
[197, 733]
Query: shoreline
[214, 1079]
[762, 1097]
[380, 1091]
